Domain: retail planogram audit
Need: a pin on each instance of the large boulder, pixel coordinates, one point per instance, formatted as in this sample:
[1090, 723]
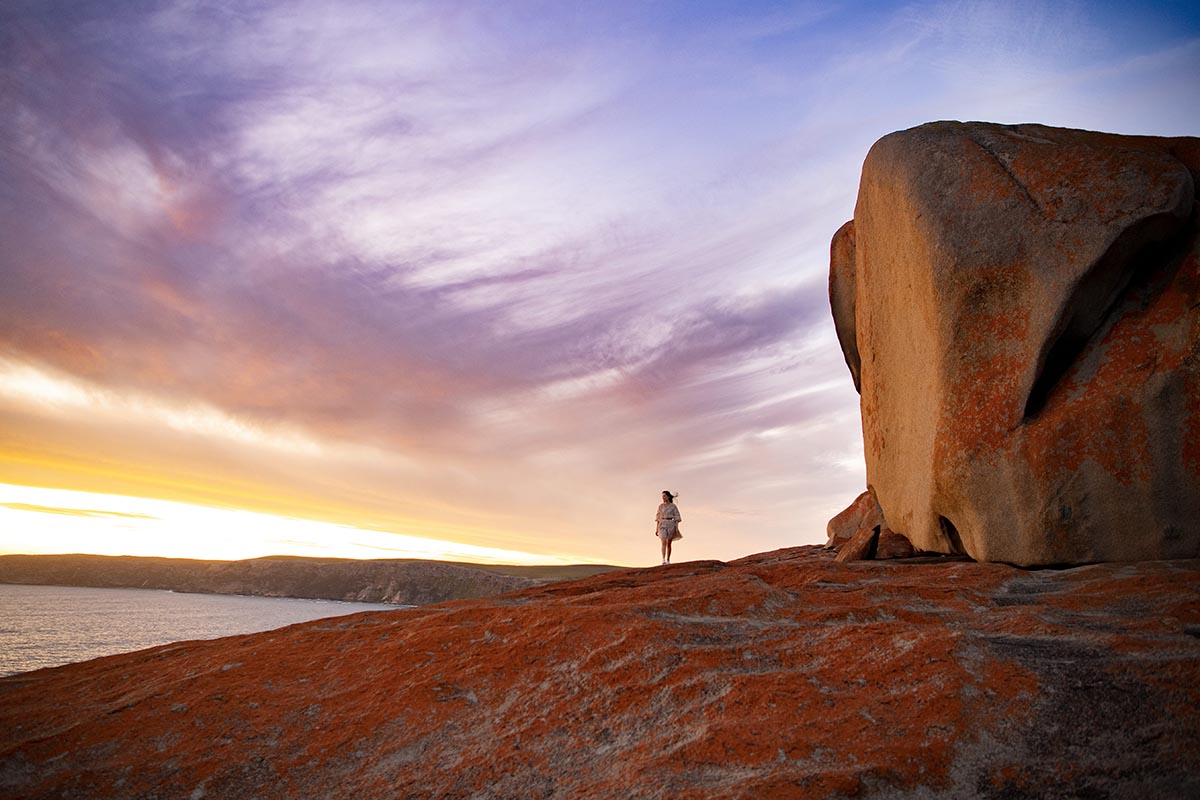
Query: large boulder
[1026, 327]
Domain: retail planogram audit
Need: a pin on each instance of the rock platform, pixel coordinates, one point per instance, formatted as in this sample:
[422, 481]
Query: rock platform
[781, 675]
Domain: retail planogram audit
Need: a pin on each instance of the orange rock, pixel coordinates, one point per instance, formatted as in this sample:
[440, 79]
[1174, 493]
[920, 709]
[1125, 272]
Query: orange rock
[864, 512]
[893, 545]
[784, 674]
[861, 546]
[1026, 317]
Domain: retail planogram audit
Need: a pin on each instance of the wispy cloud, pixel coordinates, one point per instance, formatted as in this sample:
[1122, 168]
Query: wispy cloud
[72, 512]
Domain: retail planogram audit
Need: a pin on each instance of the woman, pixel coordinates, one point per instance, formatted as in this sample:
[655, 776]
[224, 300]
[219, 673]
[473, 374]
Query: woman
[666, 524]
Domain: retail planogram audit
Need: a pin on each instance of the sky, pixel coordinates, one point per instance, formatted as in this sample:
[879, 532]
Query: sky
[474, 280]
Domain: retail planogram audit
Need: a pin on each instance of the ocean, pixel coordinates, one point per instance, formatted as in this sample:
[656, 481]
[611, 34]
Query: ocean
[45, 626]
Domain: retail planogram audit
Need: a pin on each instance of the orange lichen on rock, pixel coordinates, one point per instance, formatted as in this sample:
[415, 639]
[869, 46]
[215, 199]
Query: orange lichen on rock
[784, 674]
[1025, 334]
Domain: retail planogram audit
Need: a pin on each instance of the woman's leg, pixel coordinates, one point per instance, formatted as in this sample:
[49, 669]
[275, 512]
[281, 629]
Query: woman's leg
[667, 549]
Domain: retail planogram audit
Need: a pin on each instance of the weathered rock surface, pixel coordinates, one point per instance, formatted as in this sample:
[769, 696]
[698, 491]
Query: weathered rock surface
[1026, 318]
[861, 546]
[394, 580]
[781, 675]
[893, 545]
[841, 297]
[864, 512]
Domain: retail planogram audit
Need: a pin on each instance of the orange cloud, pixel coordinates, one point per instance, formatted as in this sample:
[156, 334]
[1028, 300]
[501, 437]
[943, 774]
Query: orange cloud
[73, 512]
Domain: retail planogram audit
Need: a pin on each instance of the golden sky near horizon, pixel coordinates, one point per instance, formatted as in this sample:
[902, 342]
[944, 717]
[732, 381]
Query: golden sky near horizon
[149, 478]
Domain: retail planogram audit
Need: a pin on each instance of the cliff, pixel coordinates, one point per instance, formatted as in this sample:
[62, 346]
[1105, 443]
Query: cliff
[398, 581]
[786, 674]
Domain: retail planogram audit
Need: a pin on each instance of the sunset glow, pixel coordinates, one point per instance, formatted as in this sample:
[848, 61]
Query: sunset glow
[474, 281]
[55, 520]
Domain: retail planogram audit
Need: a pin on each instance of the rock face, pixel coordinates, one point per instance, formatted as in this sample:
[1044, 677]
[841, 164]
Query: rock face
[1025, 313]
[783, 675]
[841, 297]
[860, 547]
[399, 581]
[864, 512]
[893, 545]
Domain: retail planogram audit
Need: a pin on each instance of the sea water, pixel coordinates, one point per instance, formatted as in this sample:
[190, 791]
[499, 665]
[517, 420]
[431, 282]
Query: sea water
[45, 626]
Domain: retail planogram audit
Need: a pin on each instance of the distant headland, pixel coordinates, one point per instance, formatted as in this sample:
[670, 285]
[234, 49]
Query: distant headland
[396, 581]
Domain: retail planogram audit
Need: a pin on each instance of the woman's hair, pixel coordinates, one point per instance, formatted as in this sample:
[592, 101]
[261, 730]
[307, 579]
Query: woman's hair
[671, 496]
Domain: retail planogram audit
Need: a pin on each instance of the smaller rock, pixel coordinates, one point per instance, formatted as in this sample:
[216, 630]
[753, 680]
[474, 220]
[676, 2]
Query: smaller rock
[893, 545]
[864, 512]
[861, 546]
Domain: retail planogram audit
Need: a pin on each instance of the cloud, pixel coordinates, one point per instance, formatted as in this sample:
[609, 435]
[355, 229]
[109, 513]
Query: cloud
[72, 512]
[364, 243]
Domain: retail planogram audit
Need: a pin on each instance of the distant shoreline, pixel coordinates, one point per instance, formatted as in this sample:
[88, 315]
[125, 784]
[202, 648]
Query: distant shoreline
[388, 581]
[215, 594]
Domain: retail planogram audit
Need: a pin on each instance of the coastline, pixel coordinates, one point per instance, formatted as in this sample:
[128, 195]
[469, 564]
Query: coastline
[400, 582]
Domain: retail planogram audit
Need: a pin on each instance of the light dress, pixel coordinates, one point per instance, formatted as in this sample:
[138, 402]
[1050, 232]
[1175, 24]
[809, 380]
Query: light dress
[668, 520]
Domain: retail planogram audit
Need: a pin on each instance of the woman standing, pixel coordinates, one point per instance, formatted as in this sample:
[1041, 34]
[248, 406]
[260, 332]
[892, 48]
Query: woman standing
[666, 524]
